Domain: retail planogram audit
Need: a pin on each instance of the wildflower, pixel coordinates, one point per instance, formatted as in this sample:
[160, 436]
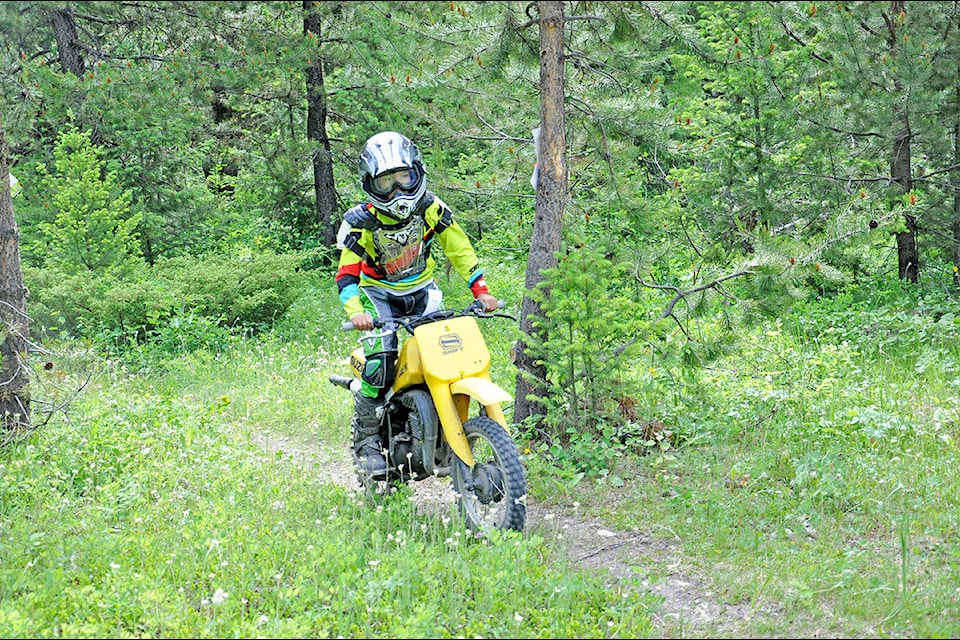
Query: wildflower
[518, 617]
[219, 596]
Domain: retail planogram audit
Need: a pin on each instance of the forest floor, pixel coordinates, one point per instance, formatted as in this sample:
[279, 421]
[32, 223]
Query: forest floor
[691, 606]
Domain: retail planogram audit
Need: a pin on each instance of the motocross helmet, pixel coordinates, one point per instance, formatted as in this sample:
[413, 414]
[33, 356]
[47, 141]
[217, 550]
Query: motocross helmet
[392, 174]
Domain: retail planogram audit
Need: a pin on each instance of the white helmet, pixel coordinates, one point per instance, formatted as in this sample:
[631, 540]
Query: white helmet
[392, 174]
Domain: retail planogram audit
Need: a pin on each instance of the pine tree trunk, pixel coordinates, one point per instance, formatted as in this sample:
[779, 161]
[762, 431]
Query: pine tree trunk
[324, 189]
[908, 253]
[68, 43]
[551, 193]
[14, 325]
[956, 195]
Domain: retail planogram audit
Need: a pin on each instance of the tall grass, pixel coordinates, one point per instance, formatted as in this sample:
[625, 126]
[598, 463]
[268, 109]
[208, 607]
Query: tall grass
[148, 508]
[819, 475]
[811, 479]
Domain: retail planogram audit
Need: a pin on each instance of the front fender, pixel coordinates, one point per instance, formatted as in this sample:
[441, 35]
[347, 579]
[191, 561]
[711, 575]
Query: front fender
[452, 412]
[487, 393]
[480, 389]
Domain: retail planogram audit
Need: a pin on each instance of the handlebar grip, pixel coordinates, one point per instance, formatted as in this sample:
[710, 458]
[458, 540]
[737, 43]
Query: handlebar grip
[348, 325]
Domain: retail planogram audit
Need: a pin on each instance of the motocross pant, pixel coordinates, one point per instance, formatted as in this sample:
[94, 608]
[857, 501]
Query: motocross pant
[381, 353]
[380, 367]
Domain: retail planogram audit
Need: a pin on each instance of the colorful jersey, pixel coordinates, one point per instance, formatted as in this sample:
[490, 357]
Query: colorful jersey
[399, 255]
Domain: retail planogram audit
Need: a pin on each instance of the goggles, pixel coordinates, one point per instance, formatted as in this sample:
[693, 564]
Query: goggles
[385, 184]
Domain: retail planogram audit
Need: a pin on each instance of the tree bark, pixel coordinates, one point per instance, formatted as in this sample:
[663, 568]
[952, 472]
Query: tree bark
[14, 324]
[956, 193]
[551, 194]
[68, 44]
[908, 254]
[325, 197]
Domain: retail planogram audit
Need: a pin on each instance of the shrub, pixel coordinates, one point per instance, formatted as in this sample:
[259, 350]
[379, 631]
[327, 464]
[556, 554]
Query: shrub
[246, 291]
[594, 328]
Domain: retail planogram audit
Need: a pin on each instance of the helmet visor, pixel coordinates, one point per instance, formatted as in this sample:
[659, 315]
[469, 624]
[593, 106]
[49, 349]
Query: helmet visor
[383, 185]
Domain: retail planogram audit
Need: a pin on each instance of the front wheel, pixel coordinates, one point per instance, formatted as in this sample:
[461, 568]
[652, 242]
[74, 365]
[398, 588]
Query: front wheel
[494, 493]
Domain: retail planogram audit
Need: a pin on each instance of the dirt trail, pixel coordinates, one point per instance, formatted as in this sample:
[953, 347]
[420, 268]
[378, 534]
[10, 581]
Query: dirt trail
[690, 608]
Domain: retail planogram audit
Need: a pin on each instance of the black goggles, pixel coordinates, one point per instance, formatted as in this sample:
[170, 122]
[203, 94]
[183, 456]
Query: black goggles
[385, 184]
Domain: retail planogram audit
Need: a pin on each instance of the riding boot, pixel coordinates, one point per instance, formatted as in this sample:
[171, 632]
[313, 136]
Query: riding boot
[366, 436]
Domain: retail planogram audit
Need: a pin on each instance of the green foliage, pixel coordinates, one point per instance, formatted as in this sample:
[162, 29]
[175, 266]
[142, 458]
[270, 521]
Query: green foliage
[251, 288]
[177, 305]
[888, 316]
[156, 511]
[92, 228]
[594, 329]
[816, 440]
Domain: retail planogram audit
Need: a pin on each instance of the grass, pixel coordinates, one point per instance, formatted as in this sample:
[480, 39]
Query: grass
[813, 483]
[822, 482]
[149, 509]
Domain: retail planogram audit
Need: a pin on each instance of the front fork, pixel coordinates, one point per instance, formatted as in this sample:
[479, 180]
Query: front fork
[466, 474]
[453, 407]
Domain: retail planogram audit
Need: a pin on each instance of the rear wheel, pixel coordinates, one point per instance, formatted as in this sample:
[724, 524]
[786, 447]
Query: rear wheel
[492, 495]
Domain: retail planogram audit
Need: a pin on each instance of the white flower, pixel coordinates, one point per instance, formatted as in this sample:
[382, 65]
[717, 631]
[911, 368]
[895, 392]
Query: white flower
[219, 596]
[114, 566]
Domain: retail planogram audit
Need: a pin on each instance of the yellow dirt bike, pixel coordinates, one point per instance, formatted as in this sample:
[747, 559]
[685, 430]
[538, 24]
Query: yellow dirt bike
[443, 373]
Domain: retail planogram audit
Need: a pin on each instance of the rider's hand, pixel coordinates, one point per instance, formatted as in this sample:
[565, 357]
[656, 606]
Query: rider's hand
[489, 302]
[362, 322]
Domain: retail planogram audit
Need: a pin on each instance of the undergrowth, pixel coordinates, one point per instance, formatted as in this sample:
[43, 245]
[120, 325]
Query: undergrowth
[149, 508]
[807, 470]
[816, 474]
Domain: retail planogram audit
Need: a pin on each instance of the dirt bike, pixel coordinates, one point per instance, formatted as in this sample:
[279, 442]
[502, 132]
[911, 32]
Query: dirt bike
[442, 369]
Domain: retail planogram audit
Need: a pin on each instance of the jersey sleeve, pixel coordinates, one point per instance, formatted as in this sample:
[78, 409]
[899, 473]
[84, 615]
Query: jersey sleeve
[348, 281]
[458, 249]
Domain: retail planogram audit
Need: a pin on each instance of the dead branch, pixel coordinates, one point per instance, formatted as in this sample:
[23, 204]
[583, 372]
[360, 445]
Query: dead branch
[680, 295]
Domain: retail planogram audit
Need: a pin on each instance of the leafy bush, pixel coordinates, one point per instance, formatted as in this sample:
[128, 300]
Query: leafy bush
[594, 329]
[251, 289]
[163, 303]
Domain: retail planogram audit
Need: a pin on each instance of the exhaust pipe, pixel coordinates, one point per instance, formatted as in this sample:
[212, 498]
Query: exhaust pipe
[350, 384]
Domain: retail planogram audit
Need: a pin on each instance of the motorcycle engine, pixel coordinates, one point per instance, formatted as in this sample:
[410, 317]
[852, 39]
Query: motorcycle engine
[407, 451]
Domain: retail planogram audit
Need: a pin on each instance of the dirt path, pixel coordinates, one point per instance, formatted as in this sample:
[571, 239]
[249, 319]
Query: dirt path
[690, 608]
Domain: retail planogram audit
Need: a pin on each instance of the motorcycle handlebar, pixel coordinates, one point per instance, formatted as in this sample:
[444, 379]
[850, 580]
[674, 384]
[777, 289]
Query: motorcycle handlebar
[348, 325]
[378, 323]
